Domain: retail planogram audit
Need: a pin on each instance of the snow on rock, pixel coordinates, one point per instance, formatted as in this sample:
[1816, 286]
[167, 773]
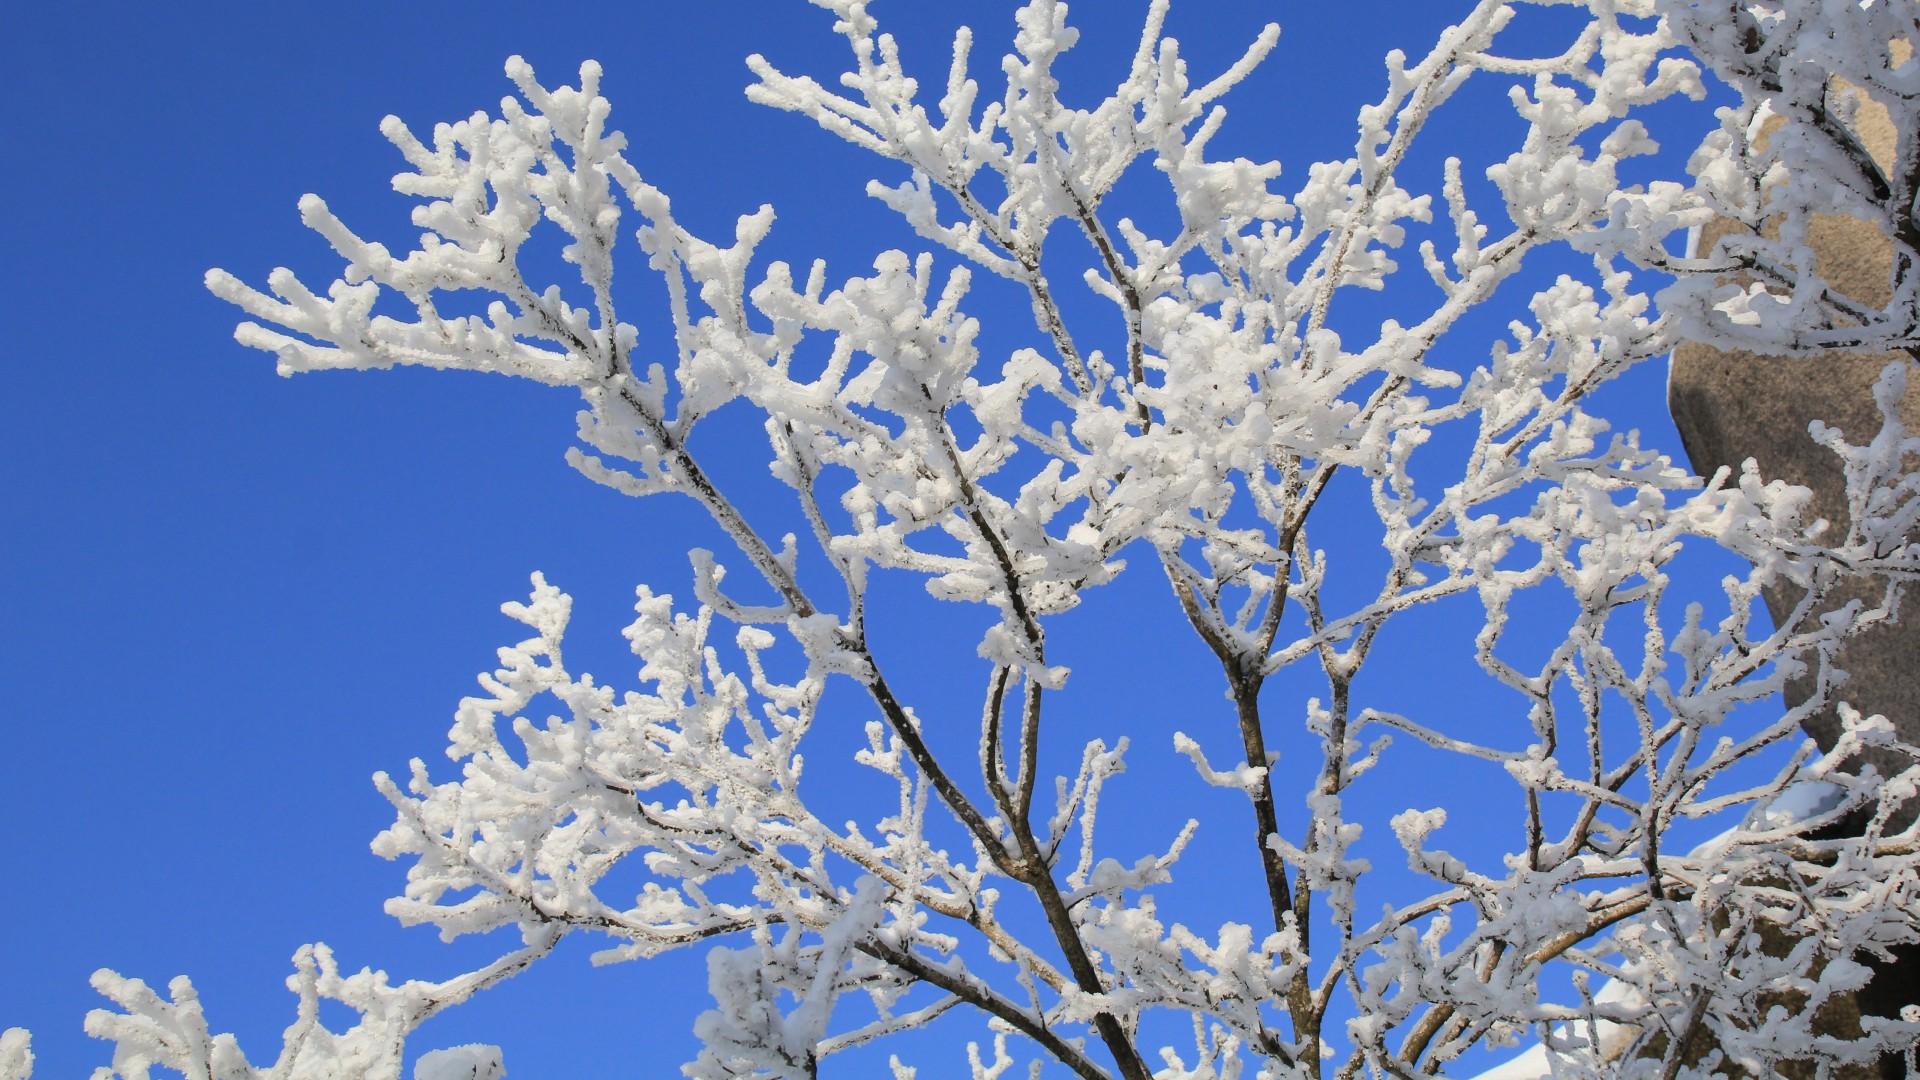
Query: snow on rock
[475, 1061]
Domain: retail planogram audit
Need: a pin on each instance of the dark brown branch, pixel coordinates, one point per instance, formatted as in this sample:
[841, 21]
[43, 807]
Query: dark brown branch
[977, 995]
[1132, 305]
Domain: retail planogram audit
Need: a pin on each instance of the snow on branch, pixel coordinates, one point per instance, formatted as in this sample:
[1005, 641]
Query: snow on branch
[1198, 420]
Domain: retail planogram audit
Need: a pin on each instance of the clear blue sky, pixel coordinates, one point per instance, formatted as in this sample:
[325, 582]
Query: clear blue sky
[233, 597]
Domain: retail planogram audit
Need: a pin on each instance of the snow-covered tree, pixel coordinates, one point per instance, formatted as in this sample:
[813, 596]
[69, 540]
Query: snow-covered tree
[1195, 424]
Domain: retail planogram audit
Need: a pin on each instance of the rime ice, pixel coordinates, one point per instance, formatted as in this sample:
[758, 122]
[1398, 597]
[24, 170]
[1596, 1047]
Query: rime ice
[1196, 428]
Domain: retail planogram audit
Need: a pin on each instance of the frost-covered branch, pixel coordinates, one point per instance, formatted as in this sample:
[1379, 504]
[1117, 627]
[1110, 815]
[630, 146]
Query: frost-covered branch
[1234, 395]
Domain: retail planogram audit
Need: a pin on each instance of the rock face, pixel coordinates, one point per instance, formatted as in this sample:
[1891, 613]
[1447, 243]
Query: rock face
[1733, 406]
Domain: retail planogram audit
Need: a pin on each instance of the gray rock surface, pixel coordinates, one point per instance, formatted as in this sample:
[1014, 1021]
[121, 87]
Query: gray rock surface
[1733, 406]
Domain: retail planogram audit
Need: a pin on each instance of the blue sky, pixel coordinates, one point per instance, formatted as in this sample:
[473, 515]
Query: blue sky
[234, 597]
